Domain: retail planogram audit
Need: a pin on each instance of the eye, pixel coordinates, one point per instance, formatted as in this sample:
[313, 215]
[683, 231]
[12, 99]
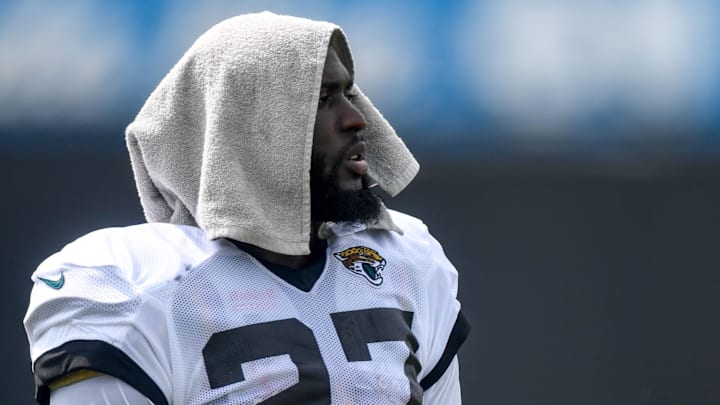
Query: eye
[323, 99]
[350, 96]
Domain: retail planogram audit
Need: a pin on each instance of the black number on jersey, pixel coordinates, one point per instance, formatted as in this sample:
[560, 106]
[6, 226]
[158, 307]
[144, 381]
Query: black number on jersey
[358, 328]
[227, 350]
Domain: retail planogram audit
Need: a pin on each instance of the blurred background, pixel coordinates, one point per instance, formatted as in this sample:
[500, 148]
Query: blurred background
[570, 155]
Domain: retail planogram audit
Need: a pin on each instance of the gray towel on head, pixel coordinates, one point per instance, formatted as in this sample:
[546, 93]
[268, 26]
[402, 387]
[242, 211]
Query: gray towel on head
[225, 140]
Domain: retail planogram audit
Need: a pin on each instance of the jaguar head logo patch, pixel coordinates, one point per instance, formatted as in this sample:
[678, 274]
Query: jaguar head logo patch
[363, 261]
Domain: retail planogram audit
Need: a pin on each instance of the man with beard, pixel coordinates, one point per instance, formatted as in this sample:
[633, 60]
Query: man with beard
[269, 271]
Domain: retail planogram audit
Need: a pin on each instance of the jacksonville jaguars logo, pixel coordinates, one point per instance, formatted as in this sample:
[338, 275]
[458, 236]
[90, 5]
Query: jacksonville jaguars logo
[363, 261]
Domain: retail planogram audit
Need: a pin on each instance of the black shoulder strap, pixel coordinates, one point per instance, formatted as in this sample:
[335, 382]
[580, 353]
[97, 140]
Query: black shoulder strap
[459, 333]
[92, 355]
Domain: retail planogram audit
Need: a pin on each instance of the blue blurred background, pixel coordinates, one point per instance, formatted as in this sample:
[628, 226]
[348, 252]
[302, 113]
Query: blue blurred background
[570, 155]
[549, 78]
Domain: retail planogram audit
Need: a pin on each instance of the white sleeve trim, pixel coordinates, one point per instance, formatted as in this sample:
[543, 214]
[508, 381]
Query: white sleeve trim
[446, 391]
[100, 390]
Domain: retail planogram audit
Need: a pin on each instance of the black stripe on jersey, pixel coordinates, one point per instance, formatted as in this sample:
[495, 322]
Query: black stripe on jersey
[459, 333]
[92, 355]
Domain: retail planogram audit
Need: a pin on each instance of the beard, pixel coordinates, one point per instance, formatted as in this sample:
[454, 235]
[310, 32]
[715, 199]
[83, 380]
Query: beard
[330, 203]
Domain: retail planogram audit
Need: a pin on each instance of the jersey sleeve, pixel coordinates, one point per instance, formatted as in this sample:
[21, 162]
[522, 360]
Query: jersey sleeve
[446, 391]
[97, 305]
[100, 390]
[448, 326]
[444, 327]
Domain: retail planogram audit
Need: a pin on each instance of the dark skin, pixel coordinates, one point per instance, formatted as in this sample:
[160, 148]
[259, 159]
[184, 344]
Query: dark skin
[336, 136]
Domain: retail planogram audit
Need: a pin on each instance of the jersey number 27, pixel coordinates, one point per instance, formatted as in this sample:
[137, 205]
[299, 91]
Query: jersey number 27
[227, 350]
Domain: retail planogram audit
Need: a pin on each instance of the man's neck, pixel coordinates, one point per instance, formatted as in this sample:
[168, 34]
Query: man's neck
[317, 248]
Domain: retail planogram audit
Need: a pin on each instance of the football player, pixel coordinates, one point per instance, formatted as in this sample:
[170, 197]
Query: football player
[269, 270]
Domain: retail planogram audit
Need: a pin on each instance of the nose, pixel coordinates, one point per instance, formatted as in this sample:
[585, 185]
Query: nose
[351, 118]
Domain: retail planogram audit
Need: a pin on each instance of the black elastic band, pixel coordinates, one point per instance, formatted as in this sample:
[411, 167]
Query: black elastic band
[92, 355]
[459, 333]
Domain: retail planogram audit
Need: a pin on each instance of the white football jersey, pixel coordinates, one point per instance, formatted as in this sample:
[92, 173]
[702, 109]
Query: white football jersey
[185, 320]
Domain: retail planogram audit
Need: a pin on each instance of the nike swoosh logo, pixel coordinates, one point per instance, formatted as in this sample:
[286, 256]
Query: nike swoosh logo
[55, 284]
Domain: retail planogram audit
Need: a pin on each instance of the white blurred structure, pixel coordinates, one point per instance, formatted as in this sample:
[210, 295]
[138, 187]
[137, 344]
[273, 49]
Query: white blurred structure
[545, 64]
